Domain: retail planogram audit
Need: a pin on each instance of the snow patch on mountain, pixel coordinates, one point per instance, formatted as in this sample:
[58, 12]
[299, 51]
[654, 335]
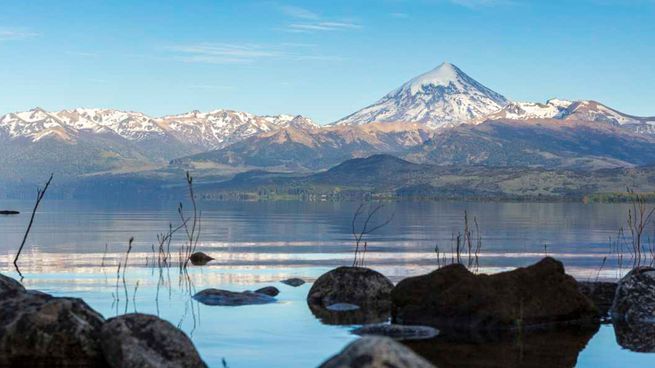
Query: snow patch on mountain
[209, 130]
[585, 110]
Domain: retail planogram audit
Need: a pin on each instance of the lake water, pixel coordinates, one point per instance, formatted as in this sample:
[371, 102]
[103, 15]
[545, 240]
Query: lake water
[74, 249]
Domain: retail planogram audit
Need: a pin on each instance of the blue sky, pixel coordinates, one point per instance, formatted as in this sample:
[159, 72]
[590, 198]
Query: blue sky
[323, 59]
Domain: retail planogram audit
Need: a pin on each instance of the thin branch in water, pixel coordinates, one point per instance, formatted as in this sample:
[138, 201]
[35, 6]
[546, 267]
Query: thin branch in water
[40, 193]
[104, 256]
[601, 268]
[136, 287]
[359, 234]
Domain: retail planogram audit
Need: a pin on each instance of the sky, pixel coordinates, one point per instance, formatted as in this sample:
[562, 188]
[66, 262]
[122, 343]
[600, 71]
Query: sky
[322, 59]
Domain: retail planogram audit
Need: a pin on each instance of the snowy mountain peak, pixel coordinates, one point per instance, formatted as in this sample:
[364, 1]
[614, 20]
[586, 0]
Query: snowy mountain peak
[442, 75]
[199, 130]
[443, 96]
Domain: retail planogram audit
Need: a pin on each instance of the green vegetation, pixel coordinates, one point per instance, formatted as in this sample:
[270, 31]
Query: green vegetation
[619, 197]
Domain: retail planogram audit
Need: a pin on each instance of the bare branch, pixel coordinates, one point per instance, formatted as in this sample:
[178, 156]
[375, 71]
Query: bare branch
[39, 196]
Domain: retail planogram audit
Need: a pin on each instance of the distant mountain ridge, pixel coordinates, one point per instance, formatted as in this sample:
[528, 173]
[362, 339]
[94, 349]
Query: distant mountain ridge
[445, 117]
[585, 110]
[210, 130]
[385, 176]
[442, 117]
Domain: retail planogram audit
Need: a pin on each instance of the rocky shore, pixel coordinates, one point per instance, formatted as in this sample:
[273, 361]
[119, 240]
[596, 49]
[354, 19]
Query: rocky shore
[40, 330]
[529, 316]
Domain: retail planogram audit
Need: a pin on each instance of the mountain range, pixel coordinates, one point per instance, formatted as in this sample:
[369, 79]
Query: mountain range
[445, 117]
[440, 118]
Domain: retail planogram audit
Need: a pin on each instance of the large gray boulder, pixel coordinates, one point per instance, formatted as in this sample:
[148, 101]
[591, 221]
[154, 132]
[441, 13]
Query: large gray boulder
[353, 285]
[9, 284]
[364, 288]
[145, 341]
[376, 352]
[639, 337]
[635, 296]
[453, 298]
[39, 330]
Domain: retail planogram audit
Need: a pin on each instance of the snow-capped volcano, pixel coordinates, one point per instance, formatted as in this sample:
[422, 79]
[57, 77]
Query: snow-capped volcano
[444, 96]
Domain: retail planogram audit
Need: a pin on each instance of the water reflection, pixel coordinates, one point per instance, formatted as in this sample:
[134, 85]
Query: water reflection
[350, 317]
[550, 349]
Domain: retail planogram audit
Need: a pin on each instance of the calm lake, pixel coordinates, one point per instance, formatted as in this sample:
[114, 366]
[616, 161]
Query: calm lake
[75, 247]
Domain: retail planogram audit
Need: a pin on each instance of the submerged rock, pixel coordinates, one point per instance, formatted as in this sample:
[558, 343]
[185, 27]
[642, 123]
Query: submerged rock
[9, 284]
[200, 259]
[601, 293]
[342, 307]
[635, 296]
[39, 330]
[232, 298]
[268, 290]
[295, 282]
[454, 298]
[376, 352]
[145, 341]
[398, 332]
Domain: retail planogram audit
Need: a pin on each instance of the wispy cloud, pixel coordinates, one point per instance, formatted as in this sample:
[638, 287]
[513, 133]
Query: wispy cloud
[7, 34]
[308, 21]
[222, 53]
[322, 26]
[476, 4]
[230, 53]
[298, 12]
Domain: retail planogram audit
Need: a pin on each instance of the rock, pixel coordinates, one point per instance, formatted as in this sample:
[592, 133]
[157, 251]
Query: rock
[268, 290]
[200, 259]
[231, 298]
[9, 284]
[141, 340]
[342, 307]
[601, 293]
[639, 337]
[635, 296]
[353, 285]
[398, 332]
[363, 287]
[376, 352]
[295, 282]
[39, 330]
[452, 297]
